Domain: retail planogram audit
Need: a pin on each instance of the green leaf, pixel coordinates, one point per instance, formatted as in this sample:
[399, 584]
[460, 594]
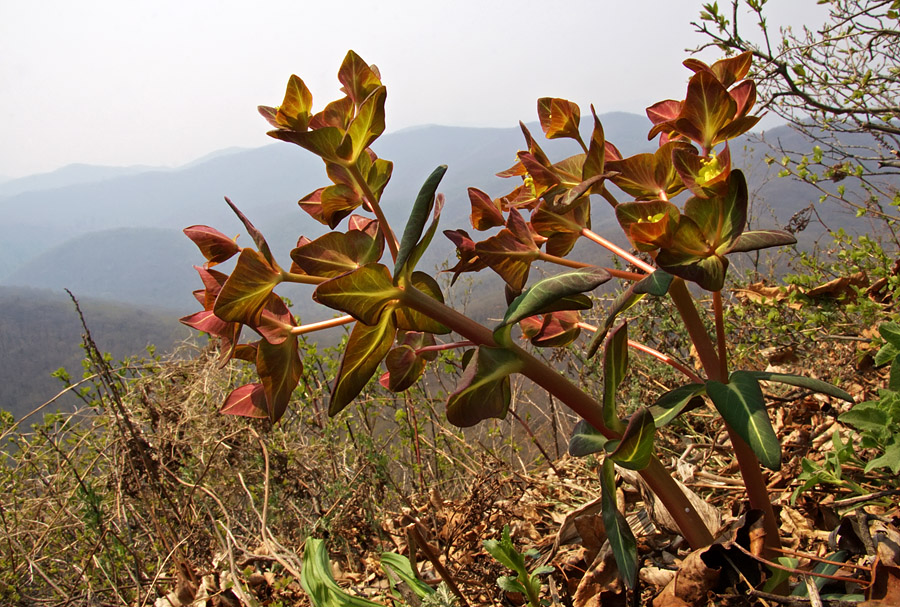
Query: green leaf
[421, 209]
[615, 365]
[800, 381]
[366, 348]
[755, 240]
[586, 440]
[825, 569]
[402, 568]
[621, 539]
[636, 445]
[867, 417]
[890, 332]
[404, 368]
[317, 581]
[247, 290]
[671, 404]
[363, 293]
[544, 295]
[327, 142]
[505, 553]
[740, 402]
[693, 258]
[656, 284]
[280, 369]
[483, 390]
[889, 459]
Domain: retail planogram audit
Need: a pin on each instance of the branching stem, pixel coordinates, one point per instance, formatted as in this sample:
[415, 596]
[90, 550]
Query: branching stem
[324, 324]
[372, 200]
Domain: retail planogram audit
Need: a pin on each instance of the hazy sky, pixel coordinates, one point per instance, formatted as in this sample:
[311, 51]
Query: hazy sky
[163, 82]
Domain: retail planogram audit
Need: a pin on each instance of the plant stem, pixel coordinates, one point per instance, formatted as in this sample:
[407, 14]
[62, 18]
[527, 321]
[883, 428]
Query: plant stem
[324, 324]
[384, 226]
[442, 347]
[304, 279]
[716, 369]
[646, 267]
[570, 263]
[720, 332]
[657, 477]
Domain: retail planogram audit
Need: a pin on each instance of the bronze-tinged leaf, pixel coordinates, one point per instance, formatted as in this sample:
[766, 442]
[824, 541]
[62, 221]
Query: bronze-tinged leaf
[510, 252]
[213, 281]
[646, 176]
[358, 77]
[663, 115]
[276, 321]
[366, 348]
[404, 369]
[635, 449]
[368, 124]
[337, 253]
[484, 388]
[412, 320]
[465, 253]
[207, 322]
[293, 113]
[280, 370]
[327, 142]
[213, 244]
[727, 71]
[744, 96]
[312, 204]
[255, 234]
[704, 176]
[755, 240]
[247, 289]
[562, 231]
[557, 330]
[559, 118]
[247, 401]
[337, 114]
[338, 201]
[707, 109]
[486, 214]
[378, 176]
[721, 218]
[542, 176]
[363, 293]
[595, 161]
[649, 224]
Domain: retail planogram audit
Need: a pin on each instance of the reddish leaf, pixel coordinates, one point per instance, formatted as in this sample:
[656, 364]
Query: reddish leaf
[212, 282]
[337, 114]
[649, 224]
[404, 368]
[247, 289]
[338, 201]
[465, 252]
[727, 71]
[510, 252]
[702, 175]
[327, 142]
[562, 231]
[646, 176]
[246, 401]
[558, 329]
[368, 124]
[559, 118]
[276, 321]
[255, 234]
[215, 246]
[312, 204]
[707, 109]
[486, 213]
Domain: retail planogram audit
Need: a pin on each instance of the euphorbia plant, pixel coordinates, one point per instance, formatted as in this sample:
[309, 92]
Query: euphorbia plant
[399, 316]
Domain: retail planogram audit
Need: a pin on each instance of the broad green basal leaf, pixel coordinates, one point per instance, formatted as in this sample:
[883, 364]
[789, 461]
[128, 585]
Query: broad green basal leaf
[741, 404]
[586, 440]
[671, 404]
[621, 539]
[635, 448]
[816, 385]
